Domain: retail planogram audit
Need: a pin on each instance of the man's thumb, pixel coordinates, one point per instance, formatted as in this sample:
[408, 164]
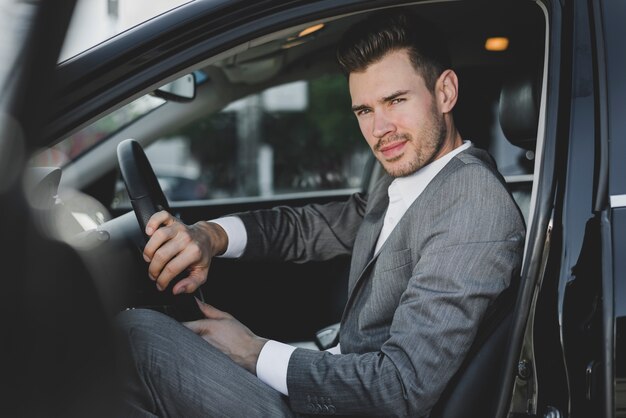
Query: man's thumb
[194, 326]
[210, 311]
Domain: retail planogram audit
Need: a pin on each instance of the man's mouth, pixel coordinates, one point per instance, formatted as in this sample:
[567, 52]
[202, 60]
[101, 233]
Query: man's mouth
[393, 149]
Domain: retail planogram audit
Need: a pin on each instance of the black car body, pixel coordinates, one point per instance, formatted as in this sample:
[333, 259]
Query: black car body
[560, 341]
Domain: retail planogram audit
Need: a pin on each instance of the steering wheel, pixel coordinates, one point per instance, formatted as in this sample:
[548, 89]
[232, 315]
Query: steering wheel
[143, 188]
[147, 198]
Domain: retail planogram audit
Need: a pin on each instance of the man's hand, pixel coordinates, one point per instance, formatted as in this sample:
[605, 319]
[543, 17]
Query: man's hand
[228, 335]
[174, 247]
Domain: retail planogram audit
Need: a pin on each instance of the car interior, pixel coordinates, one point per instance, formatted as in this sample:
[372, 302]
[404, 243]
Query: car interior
[501, 94]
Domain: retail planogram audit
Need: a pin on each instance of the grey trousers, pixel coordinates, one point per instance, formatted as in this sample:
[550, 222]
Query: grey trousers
[166, 370]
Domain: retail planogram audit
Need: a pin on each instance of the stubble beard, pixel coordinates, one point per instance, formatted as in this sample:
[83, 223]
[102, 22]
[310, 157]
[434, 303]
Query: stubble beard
[432, 139]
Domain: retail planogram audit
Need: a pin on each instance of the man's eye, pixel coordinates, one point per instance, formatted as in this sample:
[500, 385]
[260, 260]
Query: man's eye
[397, 100]
[363, 112]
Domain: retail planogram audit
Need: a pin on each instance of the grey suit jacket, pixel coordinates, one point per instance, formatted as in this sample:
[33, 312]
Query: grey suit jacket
[413, 309]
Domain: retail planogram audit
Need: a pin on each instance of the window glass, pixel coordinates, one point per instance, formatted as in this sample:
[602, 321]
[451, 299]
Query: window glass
[95, 21]
[77, 144]
[297, 137]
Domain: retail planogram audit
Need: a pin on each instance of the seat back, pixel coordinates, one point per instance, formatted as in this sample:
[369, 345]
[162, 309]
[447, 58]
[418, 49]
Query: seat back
[472, 390]
[518, 109]
[476, 387]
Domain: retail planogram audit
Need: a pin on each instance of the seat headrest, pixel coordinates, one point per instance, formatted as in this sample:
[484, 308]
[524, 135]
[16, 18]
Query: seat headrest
[519, 109]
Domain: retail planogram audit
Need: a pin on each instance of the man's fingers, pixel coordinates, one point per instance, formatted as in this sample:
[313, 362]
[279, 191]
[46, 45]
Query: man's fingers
[187, 285]
[174, 248]
[167, 251]
[156, 220]
[160, 218]
[158, 237]
[175, 266]
[188, 258]
[210, 311]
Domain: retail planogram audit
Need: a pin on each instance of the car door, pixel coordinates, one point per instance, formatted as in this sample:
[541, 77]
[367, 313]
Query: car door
[608, 16]
[573, 347]
[590, 292]
[55, 353]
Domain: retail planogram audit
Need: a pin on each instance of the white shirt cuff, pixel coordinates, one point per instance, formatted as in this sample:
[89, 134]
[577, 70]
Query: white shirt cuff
[334, 350]
[237, 235]
[271, 367]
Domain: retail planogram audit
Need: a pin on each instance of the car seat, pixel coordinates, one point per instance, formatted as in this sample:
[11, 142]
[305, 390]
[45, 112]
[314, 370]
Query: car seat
[477, 387]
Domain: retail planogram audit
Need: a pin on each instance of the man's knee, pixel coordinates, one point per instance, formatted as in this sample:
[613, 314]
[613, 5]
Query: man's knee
[140, 331]
[142, 319]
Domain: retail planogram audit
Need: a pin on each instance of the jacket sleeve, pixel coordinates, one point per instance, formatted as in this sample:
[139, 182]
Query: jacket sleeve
[309, 233]
[470, 257]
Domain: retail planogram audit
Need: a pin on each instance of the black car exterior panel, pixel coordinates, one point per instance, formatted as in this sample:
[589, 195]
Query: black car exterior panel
[580, 278]
[618, 266]
[613, 17]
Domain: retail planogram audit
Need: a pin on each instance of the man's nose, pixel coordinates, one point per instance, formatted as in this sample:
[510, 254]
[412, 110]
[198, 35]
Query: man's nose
[382, 124]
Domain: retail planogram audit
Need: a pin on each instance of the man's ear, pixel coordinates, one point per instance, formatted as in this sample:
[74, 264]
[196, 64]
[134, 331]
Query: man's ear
[447, 91]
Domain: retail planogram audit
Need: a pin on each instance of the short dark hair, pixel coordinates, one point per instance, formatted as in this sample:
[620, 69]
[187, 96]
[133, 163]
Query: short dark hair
[371, 39]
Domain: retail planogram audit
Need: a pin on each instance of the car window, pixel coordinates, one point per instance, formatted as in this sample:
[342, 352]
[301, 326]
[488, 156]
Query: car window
[293, 138]
[96, 21]
[77, 144]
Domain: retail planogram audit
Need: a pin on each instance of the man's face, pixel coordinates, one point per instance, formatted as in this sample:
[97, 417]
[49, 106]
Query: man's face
[398, 115]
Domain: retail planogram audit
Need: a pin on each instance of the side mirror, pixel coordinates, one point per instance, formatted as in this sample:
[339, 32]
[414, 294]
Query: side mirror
[180, 90]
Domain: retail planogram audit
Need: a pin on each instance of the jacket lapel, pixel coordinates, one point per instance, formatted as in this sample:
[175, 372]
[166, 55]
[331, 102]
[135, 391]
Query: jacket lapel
[363, 256]
[363, 251]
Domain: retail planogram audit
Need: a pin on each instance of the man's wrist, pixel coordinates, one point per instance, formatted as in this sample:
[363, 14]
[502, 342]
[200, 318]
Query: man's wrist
[236, 235]
[257, 345]
[218, 238]
[273, 363]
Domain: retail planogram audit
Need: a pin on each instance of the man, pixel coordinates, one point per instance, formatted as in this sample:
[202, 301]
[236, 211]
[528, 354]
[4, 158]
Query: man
[436, 241]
